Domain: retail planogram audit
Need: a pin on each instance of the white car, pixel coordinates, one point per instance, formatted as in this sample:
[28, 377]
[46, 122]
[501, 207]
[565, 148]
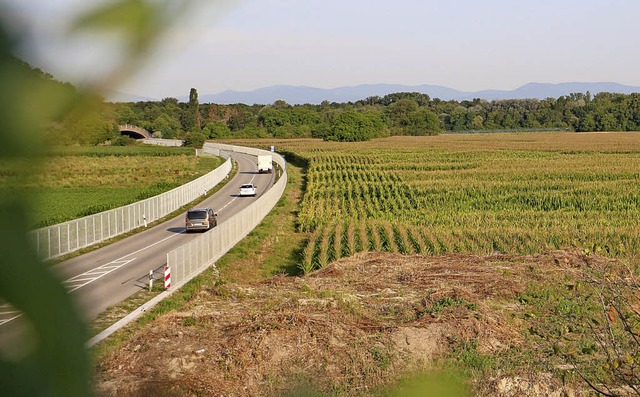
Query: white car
[248, 189]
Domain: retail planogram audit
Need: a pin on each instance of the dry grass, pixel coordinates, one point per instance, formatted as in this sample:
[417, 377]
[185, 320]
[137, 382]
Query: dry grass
[349, 329]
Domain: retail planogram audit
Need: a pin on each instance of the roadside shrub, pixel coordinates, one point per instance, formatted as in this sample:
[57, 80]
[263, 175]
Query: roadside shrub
[194, 139]
[123, 140]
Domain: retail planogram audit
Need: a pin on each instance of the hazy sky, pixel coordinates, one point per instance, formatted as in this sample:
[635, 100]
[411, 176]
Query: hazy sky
[468, 45]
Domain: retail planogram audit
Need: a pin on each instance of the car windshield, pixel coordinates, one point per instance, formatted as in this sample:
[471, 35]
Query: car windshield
[246, 186]
[197, 214]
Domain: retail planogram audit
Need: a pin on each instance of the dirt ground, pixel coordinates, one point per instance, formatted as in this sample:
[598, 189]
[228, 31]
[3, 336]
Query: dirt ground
[349, 329]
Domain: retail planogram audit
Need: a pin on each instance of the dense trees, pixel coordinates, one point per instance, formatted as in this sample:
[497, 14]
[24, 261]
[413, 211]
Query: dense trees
[407, 113]
[353, 126]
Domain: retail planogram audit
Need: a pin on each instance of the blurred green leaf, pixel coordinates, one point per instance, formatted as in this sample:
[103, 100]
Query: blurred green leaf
[139, 21]
[59, 364]
[436, 384]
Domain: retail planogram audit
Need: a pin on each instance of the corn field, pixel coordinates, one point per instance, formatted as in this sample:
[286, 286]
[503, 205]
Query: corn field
[503, 193]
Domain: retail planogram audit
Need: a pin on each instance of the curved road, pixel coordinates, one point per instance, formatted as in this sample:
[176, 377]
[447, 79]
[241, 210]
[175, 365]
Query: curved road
[107, 276]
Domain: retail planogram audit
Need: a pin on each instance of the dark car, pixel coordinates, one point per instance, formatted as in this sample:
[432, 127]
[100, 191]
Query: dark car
[201, 219]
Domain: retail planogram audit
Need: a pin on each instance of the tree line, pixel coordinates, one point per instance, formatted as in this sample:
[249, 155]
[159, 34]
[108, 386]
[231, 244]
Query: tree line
[404, 113]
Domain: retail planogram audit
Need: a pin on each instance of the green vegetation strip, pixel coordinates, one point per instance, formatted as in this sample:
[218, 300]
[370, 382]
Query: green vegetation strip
[76, 182]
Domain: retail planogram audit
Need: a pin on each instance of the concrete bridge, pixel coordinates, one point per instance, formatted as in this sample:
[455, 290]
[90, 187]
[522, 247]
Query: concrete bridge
[134, 132]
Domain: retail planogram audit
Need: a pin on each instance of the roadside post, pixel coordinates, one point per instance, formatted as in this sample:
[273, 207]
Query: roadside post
[167, 277]
[150, 280]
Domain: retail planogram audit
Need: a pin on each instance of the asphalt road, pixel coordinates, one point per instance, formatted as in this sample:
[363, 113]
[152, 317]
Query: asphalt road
[107, 276]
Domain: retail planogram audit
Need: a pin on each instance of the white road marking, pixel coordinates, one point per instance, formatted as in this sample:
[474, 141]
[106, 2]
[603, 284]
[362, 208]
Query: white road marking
[73, 284]
[92, 275]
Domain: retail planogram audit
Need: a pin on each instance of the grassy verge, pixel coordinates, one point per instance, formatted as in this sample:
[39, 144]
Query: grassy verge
[187, 293]
[274, 246]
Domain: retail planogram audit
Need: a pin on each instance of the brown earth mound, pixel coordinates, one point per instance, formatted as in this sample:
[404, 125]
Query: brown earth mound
[361, 323]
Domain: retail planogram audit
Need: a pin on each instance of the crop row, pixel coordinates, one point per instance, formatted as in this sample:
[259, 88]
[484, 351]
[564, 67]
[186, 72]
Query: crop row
[429, 200]
[345, 238]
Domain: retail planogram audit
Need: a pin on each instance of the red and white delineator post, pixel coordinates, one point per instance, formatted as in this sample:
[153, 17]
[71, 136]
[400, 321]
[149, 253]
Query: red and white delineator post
[167, 277]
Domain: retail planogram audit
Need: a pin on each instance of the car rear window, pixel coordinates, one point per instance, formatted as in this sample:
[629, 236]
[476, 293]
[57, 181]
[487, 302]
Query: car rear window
[197, 214]
[247, 186]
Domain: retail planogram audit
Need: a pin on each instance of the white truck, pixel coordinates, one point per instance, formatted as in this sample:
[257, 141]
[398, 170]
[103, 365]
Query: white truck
[265, 164]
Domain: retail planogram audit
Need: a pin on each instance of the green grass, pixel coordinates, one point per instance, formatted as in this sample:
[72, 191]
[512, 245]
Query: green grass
[57, 205]
[126, 151]
[81, 181]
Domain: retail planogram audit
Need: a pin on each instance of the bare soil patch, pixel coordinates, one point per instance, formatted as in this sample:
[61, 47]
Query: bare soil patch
[359, 324]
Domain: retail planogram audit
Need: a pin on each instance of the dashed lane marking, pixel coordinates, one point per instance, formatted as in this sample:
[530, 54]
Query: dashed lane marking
[92, 275]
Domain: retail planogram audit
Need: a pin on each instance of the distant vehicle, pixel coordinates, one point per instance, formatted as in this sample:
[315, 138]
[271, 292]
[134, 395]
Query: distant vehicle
[248, 189]
[265, 164]
[201, 219]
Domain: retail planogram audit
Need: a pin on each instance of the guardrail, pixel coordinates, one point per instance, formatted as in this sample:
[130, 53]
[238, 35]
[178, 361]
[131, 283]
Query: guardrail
[192, 258]
[67, 237]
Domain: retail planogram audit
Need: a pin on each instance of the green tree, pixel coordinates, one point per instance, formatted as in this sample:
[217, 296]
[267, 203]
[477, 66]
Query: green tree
[606, 122]
[273, 117]
[194, 139]
[194, 107]
[238, 121]
[126, 115]
[216, 130]
[586, 123]
[190, 113]
[353, 126]
[417, 97]
[423, 122]
[86, 126]
[165, 126]
[477, 122]
[400, 112]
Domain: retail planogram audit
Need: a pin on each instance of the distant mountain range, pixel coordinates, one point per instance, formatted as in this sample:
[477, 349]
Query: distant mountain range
[300, 95]
[117, 96]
